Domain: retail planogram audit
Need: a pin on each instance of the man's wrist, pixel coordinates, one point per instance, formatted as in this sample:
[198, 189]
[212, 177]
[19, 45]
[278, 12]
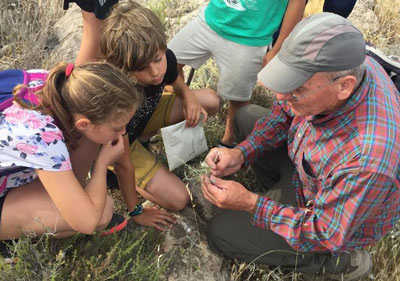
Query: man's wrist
[240, 155]
[253, 203]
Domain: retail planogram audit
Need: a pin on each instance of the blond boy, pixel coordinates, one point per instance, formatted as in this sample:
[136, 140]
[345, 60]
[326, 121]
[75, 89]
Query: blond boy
[133, 39]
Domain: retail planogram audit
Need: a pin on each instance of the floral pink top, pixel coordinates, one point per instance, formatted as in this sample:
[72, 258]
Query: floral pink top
[32, 140]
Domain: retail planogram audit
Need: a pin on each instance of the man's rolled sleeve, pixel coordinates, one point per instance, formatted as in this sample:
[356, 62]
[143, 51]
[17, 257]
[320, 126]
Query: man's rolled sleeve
[263, 213]
[334, 220]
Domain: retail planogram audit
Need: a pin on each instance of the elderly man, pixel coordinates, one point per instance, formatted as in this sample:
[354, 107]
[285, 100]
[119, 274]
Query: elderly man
[327, 154]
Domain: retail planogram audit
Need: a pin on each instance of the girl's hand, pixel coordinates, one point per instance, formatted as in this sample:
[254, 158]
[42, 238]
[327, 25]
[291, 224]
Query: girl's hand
[155, 217]
[111, 151]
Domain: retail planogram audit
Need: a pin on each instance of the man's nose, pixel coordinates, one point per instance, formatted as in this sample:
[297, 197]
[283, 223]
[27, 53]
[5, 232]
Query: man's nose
[283, 96]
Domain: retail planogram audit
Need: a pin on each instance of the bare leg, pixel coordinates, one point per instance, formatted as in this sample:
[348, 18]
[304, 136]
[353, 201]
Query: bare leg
[229, 135]
[207, 98]
[29, 210]
[180, 70]
[167, 190]
[89, 49]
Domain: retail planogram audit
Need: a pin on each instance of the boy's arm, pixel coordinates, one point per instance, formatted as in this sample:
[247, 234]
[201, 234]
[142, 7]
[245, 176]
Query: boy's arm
[126, 180]
[192, 108]
[126, 177]
[294, 13]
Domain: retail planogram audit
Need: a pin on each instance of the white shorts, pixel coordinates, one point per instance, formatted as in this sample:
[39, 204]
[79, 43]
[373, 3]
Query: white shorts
[238, 64]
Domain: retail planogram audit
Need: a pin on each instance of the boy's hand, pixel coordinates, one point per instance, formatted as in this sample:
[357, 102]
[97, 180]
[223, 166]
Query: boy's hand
[154, 217]
[192, 110]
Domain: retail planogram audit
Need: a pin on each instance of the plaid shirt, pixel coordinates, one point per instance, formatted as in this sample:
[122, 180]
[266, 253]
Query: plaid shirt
[347, 176]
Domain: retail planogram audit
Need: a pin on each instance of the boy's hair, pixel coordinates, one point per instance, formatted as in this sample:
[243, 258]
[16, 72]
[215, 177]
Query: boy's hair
[131, 37]
[97, 90]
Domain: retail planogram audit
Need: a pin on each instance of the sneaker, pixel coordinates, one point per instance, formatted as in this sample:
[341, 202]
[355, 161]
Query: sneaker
[391, 64]
[116, 224]
[5, 252]
[360, 266]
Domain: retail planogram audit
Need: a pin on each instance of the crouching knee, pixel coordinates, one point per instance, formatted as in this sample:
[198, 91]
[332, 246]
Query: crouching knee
[216, 234]
[181, 200]
[215, 102]
[107, 213]
[211, 102]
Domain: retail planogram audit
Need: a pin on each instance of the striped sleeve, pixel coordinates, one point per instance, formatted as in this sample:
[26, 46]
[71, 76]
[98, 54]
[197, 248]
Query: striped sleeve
[268, 133]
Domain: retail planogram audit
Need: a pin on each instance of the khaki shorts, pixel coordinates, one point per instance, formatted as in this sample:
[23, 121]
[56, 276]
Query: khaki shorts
[146, 164]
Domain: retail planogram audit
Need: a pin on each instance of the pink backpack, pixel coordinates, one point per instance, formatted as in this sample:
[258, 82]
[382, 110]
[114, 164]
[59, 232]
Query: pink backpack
[34, 79]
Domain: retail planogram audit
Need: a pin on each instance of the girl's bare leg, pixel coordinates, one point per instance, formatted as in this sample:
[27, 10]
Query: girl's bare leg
[29, 210]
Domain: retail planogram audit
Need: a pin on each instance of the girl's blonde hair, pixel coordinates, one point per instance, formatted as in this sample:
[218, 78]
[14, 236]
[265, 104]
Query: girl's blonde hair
[97, 90]
[131, 37]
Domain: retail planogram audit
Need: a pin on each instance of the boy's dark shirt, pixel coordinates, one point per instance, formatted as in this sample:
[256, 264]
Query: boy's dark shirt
[137, 124]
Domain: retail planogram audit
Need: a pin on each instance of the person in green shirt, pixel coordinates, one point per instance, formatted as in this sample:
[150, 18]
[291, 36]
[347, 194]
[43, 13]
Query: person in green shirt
[238, 34]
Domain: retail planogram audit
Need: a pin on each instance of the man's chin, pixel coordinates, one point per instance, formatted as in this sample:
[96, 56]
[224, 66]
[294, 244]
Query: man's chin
[296, 112]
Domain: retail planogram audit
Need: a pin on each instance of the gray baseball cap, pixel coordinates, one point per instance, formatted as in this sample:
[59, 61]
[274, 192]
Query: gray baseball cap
[323, 42]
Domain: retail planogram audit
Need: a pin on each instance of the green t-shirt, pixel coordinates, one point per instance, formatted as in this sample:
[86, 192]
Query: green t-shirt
[247, 22]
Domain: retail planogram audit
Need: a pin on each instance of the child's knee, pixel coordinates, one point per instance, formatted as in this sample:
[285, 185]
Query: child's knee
[107, 213]
[177, 202]
[182, 200]
[213, 101]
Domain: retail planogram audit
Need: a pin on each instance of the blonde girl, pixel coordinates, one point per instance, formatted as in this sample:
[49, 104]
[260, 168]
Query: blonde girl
[46, 151]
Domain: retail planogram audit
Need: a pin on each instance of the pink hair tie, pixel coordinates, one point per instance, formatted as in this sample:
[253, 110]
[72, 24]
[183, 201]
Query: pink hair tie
[68, 69]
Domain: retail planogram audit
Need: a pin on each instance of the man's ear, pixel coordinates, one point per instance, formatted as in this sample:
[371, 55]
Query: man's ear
[82, 123]
[347, 85]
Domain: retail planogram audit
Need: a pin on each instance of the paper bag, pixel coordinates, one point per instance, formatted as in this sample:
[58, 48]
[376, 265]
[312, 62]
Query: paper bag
[183, 144]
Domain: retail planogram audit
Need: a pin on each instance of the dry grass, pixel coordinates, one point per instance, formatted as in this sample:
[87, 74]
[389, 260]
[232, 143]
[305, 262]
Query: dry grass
[26, 36]
[313, 7]
[387, 35]
[388, 14]
[26, 40]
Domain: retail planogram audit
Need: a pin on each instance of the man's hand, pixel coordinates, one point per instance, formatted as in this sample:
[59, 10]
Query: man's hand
[192, 110]
[154, 217]
[228, 194]
[224, 161]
